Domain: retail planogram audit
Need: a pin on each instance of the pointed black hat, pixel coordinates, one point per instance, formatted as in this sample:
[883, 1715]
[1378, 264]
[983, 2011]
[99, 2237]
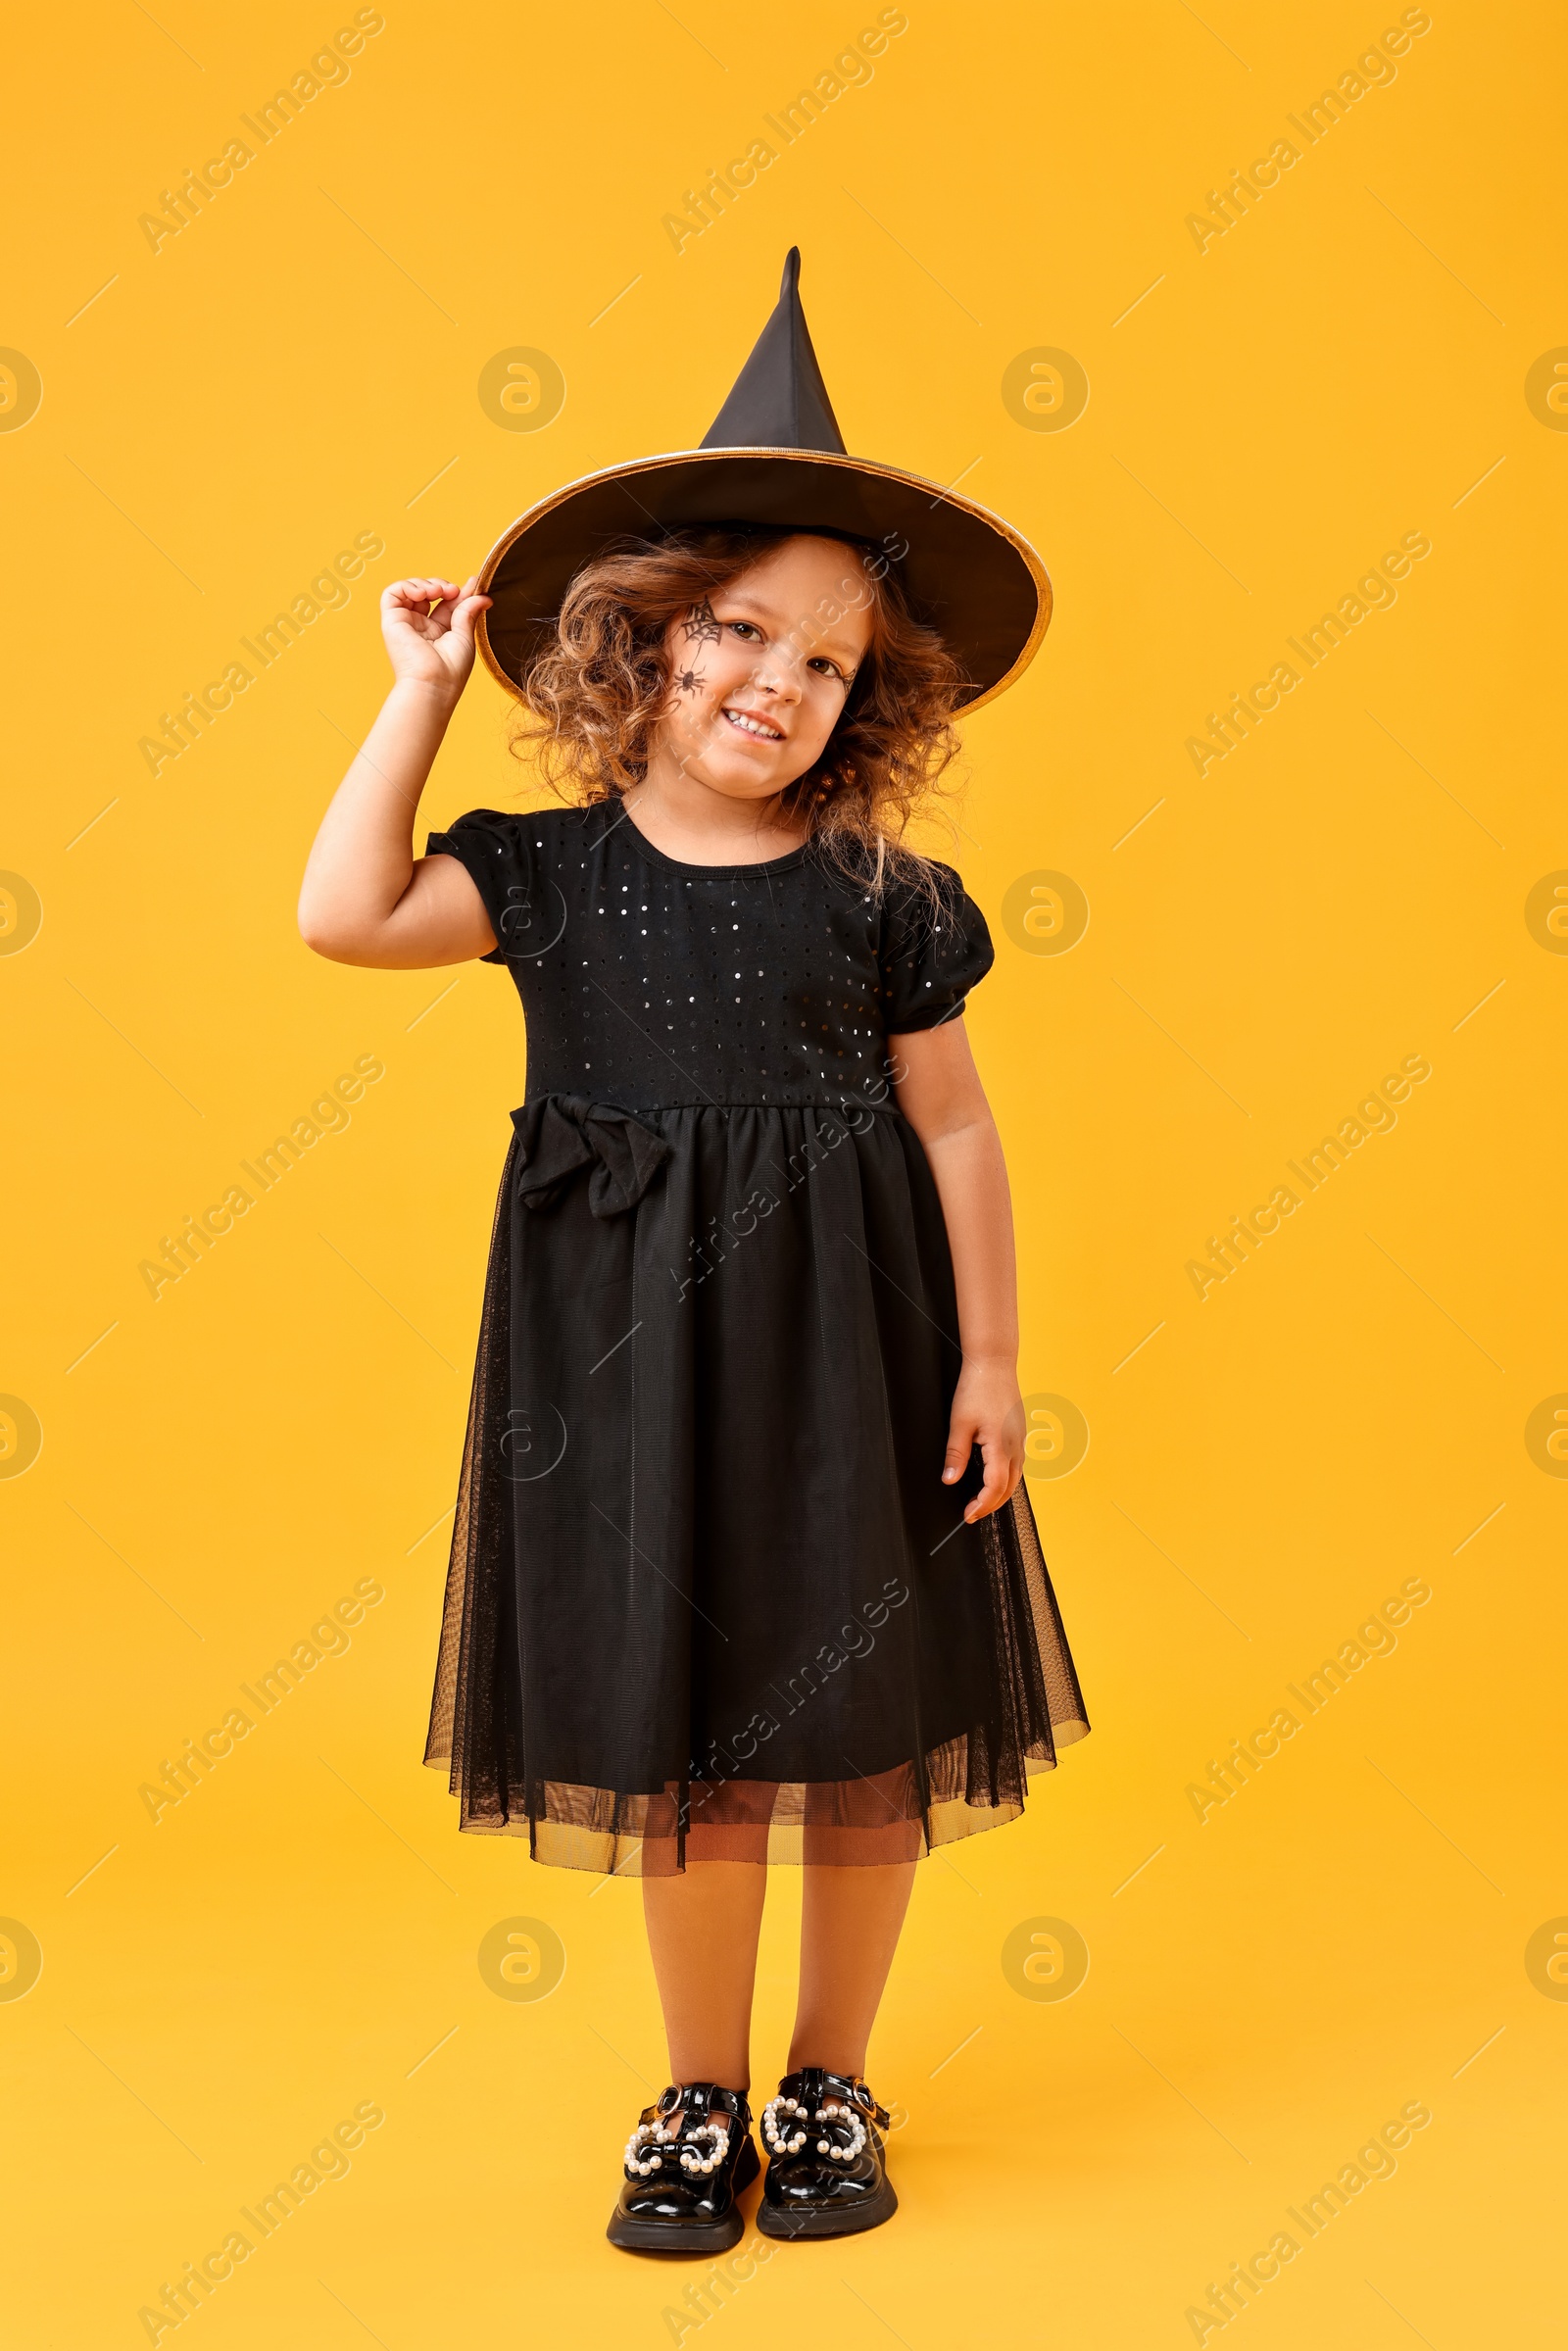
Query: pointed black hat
[779, 400]
[774, 456]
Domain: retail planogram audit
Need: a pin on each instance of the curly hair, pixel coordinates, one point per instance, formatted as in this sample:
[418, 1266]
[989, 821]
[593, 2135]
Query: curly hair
[599, 686]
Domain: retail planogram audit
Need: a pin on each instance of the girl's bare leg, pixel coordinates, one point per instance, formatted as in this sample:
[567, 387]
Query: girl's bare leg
[702, 1926]
[850, 1923]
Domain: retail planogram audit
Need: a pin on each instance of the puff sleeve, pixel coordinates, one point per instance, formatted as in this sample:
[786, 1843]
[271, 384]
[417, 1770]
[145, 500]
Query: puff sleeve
[930, 955]
[499, 852]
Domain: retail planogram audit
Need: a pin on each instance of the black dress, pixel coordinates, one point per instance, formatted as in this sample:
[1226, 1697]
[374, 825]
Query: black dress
[709, 1597]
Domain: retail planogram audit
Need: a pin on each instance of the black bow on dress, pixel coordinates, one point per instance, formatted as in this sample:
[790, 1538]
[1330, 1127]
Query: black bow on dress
[565, 1132]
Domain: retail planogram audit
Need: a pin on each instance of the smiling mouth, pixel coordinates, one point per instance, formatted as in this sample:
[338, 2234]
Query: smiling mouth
[746, 724]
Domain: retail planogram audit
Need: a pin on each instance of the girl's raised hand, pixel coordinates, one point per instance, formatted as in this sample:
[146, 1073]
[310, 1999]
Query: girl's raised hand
[432, 648]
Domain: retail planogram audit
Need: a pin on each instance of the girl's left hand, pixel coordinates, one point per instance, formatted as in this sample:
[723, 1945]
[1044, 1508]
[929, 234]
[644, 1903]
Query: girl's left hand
[988, 1412]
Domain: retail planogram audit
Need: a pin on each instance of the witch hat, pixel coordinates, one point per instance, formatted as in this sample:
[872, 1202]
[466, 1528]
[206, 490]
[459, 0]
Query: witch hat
[774, 456]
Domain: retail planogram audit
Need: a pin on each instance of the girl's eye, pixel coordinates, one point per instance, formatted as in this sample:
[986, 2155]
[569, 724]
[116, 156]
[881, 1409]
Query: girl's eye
[827, 669]
[744, 628]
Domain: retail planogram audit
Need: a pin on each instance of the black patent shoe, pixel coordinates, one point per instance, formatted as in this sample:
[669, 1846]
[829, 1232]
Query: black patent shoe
[686, 2162]
[826, 2168]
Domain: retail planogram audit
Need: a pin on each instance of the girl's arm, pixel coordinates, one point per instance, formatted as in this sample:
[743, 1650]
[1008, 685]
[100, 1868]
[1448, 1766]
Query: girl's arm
[365, 899]
[940, 1094]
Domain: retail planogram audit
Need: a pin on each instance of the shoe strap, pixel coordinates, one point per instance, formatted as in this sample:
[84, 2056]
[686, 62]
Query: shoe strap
[700, 2100]
[814, 2084]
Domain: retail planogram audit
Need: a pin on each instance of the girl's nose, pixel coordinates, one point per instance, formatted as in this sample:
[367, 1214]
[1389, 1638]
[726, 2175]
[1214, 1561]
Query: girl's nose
[777, 678]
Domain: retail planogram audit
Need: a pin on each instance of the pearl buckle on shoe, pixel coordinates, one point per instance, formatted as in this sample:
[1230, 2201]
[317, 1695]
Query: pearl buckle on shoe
[789, 2138]
[782, 2139]
[702, 2150]
[717, 2137]
[646, 2135]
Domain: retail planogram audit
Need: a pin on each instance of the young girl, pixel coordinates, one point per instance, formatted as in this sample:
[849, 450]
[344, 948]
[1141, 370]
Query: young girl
[743, 1570]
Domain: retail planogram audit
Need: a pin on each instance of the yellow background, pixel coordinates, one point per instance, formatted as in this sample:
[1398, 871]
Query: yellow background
[300, 365]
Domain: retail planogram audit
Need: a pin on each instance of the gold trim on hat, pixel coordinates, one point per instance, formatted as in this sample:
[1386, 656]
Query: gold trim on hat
[815, 457]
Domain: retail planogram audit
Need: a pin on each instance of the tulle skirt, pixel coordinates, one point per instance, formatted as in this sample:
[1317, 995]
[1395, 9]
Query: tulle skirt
[708, 1596]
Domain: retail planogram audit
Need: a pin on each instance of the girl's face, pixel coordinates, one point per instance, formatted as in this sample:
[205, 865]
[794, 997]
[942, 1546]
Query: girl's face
[762, 670]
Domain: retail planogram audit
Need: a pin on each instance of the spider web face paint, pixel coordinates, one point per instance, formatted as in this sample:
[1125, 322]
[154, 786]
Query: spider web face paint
[700, 626]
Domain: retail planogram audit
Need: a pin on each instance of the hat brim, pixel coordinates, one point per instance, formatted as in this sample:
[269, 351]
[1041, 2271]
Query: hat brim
[965, 573]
